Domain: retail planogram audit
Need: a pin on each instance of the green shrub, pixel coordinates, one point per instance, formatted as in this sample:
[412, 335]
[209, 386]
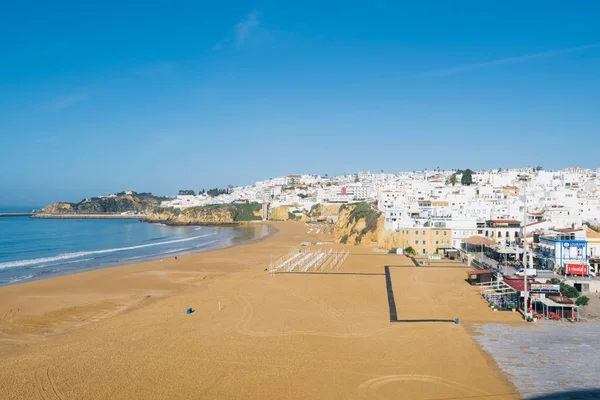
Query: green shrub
[344, 239]
[410, 250]
[553, 281]
[568, 291]
[582, 301]
[314, 211]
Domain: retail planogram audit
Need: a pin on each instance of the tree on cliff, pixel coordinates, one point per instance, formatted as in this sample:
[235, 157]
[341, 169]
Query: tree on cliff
[467, 177]
[452, 179]
[216, 192]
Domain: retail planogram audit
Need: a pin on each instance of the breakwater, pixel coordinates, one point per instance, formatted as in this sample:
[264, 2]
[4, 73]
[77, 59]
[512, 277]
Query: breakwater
[86, 216]
[15, 214]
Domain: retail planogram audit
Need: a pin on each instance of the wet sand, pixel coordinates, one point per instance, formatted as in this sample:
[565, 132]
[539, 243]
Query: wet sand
[122, 332]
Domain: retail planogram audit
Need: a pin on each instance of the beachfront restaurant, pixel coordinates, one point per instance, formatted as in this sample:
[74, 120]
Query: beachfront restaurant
[477, 244]
[555, 308]
[545, 300]
[517, 283]
[479, 276]
[499, 295]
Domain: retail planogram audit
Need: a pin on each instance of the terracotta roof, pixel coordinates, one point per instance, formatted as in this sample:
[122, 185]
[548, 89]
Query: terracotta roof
[517, 282]
[479, 271]
[592, 234]
[534, 223]
[504, 221]
[479, 240]
[561, 299]
[567, 230]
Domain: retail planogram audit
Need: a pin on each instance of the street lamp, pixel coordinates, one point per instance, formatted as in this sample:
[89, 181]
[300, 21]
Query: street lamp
[481, 250]
[524, 179]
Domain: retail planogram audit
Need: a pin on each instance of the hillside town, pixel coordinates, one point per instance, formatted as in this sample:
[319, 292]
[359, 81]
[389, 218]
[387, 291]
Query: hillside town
[435, 210]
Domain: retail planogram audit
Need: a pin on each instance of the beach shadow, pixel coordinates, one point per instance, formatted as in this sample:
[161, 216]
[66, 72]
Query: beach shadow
[425, 320]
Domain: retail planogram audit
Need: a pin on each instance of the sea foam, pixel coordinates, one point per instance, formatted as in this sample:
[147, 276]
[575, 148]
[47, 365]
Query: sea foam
[70, 256]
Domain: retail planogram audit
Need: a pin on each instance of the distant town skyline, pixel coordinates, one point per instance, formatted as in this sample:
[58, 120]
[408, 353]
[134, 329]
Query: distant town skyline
[161, 98]
[345, 177]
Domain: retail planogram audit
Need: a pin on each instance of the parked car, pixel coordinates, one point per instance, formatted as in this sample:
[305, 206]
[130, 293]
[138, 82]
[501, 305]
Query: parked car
[530, 272]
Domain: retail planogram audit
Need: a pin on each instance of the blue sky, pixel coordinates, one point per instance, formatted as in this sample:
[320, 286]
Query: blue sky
[159, 96]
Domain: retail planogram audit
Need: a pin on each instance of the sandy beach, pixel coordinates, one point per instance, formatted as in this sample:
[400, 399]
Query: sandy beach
[122, 332]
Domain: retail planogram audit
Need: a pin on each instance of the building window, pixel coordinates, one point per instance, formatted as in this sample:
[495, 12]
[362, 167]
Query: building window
[416, 242]
[444, 233]
[437, 233]
[423, 232]
[423, 242]
[436, 242]
[416, 232]
[424, 251]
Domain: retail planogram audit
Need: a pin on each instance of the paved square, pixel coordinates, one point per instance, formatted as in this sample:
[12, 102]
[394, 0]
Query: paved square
[545, 357]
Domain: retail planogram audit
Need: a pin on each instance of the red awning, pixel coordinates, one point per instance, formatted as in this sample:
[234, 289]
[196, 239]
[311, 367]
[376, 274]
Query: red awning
[517, 284]
[561, 299]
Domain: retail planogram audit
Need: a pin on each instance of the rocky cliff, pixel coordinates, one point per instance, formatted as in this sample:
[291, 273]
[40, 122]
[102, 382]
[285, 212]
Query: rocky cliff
[288, 213]
[281, 213]
[121, 202]
[389, 240]
[358, 224]
[207, 215]
[324, 212]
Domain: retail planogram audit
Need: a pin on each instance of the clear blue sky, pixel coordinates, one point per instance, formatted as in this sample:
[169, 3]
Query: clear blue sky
[96, 97]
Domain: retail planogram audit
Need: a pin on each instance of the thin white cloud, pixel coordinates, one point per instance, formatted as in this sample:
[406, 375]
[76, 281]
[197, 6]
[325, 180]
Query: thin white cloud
[509, 60]
[62, 102]
[246, 28]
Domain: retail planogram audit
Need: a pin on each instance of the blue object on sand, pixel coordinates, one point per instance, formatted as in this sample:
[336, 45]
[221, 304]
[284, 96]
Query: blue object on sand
[456, 321]
[189, 311]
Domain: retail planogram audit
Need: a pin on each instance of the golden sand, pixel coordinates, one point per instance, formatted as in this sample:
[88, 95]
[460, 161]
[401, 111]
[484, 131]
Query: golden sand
[122, 332]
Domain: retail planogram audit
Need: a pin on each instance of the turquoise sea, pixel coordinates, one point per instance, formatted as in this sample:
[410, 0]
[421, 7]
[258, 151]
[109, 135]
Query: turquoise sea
[33, 249]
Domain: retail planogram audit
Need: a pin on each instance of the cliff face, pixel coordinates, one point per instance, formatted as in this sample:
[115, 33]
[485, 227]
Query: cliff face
[208, 215]
[284, 213]
[323, 212]
[121, 202]
[59, 208]
[389, 240]
[280, 213]
[358, 224]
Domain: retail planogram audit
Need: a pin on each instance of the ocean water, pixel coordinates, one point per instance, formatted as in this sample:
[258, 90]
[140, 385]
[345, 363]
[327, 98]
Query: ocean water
[33, 249]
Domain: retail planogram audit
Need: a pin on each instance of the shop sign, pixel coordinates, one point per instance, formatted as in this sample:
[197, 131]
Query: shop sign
[544, 287]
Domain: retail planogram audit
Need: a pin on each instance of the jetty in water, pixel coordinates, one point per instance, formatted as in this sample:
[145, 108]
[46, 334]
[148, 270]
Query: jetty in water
[16, 214]
[87, 216]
